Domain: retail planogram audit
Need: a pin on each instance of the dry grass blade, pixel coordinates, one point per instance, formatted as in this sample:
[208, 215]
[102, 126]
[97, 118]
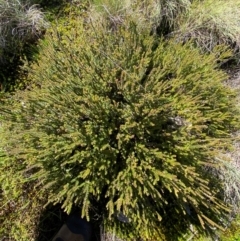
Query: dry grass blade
[211, 22]
[145, 13]
[108, 236]
[19, 23]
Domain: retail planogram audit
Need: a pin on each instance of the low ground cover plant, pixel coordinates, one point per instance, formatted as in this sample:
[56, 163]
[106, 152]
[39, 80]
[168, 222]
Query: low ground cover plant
[122, 122]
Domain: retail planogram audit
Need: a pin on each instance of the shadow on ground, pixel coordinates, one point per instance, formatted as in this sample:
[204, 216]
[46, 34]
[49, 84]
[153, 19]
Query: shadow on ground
[52, 220]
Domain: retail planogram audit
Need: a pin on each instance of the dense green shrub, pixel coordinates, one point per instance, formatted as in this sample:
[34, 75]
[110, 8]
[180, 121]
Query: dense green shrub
[20, 207]
[121, 122]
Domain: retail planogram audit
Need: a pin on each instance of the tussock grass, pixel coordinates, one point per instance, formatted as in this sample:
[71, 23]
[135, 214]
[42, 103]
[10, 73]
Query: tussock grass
[153, 11]
[107, 236]
[144, 13]
[19, 23]
[229, 174]
[210, 23]
[171, 9]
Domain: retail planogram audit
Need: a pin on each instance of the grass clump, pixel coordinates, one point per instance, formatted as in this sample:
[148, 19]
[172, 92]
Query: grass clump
[161, 16]
[207, 22]
[145, 13]
[21, 25]
[121, 123]
[210, 23]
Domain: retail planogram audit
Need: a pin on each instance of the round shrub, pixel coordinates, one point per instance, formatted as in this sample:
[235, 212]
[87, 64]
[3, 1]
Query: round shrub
[123, 124]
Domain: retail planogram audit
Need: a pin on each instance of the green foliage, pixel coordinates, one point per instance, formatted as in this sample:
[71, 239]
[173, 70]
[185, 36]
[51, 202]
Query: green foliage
[20, 206]
[233, 232]
[12, 74]
[120, 122]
